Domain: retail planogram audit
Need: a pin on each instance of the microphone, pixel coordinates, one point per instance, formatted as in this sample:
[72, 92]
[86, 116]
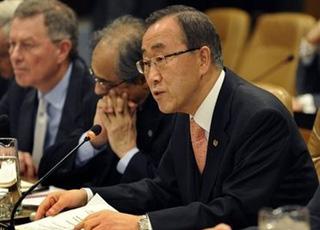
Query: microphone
[4, 126]
[273, 68]
[92, 133]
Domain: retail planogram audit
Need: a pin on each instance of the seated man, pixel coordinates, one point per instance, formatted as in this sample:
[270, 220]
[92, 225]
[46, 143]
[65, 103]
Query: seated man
[234, 149]
[308, 81]
[6, 73]
[135, 133]
[51, 102]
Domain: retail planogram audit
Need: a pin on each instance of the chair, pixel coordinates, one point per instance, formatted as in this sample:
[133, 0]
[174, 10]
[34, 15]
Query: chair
[275, 39]
[280, 93]
[314, 143]
[232, 25]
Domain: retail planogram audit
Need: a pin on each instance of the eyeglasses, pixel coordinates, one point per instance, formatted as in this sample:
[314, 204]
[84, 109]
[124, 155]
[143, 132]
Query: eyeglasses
[144, 66]
[105, 83]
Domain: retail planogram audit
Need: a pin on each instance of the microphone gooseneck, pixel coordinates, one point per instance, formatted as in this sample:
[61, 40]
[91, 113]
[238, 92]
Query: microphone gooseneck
[273, 68]
[96, 129]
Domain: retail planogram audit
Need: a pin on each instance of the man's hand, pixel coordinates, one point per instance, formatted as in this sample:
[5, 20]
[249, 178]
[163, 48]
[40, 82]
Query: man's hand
[104, 220]
[102, 138]
[57, 201]
[120, 123]
[220, 227]
[27, 169]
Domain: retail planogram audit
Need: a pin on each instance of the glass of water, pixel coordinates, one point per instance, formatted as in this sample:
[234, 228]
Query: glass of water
[290, 217]
[9, 176]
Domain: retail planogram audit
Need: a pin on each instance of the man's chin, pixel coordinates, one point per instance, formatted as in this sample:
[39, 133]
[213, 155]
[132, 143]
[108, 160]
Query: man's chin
[21, 82]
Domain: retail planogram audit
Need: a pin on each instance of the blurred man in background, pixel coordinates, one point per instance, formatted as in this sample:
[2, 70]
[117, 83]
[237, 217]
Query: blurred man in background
[7, 9]
[51, 101]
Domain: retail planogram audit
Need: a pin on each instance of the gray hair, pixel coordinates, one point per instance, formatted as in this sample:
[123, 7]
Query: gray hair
[125, 33]
[7, 9]
[60, 19]
[197, 28]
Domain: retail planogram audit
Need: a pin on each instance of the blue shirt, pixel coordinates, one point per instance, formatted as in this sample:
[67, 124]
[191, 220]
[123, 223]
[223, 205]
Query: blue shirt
[55, 99]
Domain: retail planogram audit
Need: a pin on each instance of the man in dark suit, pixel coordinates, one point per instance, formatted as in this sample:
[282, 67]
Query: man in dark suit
[43, 53]
[134, 133]
[234, 149]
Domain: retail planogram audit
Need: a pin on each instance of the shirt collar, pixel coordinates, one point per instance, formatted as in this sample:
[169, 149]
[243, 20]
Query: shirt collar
[203, 115]
[57, 95]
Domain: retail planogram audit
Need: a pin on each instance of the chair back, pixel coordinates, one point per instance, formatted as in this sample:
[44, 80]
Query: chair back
[314, 143]
[275, 39]
[232, 25]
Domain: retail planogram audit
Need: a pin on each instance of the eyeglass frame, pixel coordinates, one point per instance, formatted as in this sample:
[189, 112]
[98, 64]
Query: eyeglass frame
[105, 83]
[162, 57]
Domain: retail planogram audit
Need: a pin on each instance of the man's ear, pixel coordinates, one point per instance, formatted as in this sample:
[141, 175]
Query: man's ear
[205, 59]
[64, 48]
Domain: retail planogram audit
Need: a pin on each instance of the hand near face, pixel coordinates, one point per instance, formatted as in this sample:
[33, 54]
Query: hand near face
[120, 123]
[57, 201]
[27, 169]
[102, 138]
[109, 220]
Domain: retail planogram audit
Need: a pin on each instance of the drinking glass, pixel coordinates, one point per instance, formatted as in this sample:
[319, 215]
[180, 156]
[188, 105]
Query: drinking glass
[9, 176]
[290, 217]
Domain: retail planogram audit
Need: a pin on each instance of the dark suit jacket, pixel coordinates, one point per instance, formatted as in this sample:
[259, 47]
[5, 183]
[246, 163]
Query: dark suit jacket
[153, 133]
[308, 80]
[20, 104]
[4, 85]
[314, 210]
[259, 159]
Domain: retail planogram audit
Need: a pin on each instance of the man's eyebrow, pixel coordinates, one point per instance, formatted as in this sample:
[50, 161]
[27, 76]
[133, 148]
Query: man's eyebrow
[154, 47]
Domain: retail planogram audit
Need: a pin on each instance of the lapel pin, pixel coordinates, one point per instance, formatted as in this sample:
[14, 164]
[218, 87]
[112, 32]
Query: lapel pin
[215, 142]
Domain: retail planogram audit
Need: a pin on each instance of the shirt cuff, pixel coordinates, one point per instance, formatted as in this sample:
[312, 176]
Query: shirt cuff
[307, 103]
[89, 193]
[307, 52]
[86, 152]
[124, 161]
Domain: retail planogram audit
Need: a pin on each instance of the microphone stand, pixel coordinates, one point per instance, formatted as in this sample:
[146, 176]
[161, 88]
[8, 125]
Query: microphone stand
[13, 212]
[288, 59]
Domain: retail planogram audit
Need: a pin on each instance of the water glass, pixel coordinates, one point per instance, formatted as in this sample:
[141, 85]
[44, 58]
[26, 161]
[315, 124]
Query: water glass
[287, 217]
[9, 176]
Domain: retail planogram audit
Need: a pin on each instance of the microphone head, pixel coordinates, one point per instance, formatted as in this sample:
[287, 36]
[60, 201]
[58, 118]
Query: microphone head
[93, 132]
[290, 57]
[96, 129]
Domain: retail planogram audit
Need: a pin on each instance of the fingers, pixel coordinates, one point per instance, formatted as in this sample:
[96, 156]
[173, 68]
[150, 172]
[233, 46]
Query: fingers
[90, 222]
[27, 168]
[45, 205]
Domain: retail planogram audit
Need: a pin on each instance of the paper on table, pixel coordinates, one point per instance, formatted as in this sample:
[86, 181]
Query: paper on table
[67, 220]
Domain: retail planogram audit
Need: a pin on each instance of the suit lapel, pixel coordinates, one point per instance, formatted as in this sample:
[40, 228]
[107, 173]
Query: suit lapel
[26, 122]
[218, 138]
[71, 111]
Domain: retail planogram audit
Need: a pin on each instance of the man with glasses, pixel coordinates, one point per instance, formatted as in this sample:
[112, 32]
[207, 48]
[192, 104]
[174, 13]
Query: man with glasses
[51, 103]
[234, 148]
[134, 133]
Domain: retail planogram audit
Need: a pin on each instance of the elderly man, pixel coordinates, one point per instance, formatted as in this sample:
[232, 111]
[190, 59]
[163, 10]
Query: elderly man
[135, 133]
[234, 149]
[51, 101]
[6, 73]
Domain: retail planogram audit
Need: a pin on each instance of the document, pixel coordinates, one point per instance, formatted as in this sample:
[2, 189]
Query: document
[67, 220]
